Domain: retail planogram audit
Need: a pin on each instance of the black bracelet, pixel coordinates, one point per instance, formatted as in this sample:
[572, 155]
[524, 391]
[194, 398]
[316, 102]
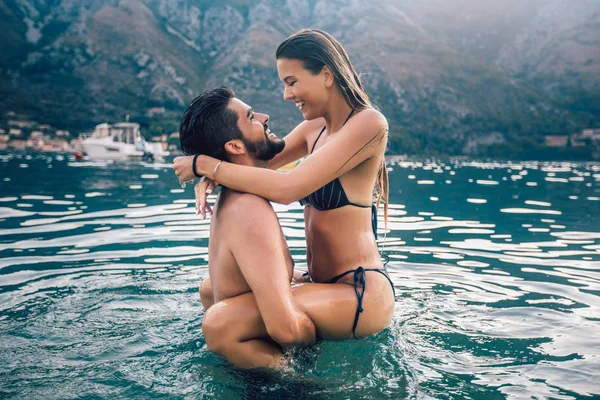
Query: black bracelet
[194, 167]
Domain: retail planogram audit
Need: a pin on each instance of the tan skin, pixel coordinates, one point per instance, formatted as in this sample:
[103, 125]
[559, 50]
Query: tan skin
[244, 248]
[337, 240]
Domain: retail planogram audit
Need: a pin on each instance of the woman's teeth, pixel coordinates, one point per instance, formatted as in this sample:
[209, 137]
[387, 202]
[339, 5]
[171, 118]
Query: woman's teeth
[300, 105]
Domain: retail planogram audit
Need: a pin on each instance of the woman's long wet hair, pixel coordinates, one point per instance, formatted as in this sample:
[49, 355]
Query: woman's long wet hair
[315, 49]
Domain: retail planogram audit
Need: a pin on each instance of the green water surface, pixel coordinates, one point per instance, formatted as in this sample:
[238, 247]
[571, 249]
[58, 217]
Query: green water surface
[496, 267]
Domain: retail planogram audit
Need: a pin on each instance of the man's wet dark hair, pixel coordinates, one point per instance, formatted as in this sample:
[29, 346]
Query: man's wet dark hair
[208, 124]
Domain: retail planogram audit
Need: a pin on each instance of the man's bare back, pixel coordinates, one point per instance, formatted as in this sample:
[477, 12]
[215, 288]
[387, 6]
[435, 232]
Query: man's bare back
[248, 257]
[246, 225]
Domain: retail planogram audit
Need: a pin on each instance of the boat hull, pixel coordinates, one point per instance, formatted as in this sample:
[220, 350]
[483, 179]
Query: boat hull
[109, 150]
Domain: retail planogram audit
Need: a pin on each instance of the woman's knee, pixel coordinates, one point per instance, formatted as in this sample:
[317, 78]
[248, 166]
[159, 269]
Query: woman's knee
[214, 328]
[206, 293]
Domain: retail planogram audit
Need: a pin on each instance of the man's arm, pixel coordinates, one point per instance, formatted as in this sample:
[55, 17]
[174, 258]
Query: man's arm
[260, 251]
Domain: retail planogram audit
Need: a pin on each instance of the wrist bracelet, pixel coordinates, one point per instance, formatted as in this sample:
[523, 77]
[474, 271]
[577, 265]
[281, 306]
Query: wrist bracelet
[194, 166]
[216, 168]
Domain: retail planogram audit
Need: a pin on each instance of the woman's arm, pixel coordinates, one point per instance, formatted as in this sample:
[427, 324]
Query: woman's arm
[358, 140]
[296, 147]
[296, 144]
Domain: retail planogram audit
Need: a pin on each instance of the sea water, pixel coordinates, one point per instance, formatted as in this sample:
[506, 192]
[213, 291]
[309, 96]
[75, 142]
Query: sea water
[496, 267]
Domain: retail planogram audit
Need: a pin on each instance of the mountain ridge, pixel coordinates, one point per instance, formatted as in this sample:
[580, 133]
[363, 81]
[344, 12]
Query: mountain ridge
[449, 79]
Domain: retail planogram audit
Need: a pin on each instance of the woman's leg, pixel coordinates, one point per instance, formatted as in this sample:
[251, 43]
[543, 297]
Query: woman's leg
[332, 307]
[234, 327]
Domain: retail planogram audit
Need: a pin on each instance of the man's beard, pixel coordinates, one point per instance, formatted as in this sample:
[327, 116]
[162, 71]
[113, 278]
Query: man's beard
[266, 149]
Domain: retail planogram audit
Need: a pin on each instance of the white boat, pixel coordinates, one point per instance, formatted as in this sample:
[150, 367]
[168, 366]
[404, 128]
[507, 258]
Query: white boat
[121, 141]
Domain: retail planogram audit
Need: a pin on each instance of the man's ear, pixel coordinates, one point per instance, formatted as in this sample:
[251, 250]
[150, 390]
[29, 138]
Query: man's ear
[235, 147]
[328, 75]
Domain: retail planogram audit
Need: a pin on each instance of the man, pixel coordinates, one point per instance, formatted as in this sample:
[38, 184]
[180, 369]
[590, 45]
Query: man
[247, 249]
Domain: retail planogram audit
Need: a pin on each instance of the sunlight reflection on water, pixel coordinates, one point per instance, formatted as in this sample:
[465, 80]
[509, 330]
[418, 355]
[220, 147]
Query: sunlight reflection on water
[497, 280]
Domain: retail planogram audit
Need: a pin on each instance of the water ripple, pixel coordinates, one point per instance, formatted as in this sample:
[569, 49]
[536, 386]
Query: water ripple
[496, 267]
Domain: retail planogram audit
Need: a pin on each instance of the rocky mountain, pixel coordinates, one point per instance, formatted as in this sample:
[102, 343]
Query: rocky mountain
[454, 76]
[550, 44]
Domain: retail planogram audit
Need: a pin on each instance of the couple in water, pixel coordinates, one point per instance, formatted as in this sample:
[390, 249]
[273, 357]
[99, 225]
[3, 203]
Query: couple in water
[256, 305]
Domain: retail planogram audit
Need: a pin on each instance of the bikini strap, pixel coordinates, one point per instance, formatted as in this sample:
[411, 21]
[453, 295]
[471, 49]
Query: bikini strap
[359, 276]
[384, 273]
[340, 276]
[349, 115]
[318, 137]
[323, 130]
[374, 219]
[354, 271]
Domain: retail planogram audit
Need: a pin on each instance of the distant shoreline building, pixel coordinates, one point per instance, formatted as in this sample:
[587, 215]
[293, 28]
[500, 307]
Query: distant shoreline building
[557, 140]
[151, 112]
[586, 137]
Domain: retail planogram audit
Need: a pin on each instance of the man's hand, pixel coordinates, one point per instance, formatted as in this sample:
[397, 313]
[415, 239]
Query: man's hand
[202, 190]
[183, 168]
[301, 276]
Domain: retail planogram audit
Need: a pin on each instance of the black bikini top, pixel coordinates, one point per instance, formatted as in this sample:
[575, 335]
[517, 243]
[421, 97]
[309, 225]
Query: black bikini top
[332, 195]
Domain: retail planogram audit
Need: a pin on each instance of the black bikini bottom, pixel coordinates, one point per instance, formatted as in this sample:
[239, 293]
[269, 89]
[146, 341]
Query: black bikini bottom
[359, 277]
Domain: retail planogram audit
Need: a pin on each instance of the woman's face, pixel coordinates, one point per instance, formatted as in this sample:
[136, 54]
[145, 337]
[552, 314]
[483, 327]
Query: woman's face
[308, 91]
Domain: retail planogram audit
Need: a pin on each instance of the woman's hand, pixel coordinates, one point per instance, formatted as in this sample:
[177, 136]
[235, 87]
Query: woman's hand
[202, 190]
[183, 169]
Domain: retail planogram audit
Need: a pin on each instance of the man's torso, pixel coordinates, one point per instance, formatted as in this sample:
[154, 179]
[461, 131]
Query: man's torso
[226, 277]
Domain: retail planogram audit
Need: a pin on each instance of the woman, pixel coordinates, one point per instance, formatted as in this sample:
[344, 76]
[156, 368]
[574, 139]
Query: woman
[344, 140]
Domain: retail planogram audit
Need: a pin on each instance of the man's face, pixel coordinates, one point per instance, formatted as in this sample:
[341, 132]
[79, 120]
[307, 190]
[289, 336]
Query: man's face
[258, 139]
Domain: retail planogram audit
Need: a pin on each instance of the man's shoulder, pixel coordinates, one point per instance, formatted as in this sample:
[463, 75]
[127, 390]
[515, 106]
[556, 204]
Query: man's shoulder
[244, 205]
[246, 199]
[247, 215]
